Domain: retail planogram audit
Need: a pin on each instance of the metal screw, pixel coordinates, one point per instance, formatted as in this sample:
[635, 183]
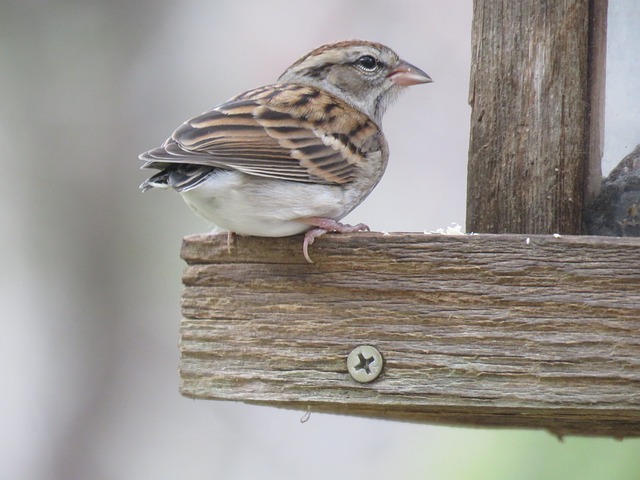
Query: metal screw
[364, 363]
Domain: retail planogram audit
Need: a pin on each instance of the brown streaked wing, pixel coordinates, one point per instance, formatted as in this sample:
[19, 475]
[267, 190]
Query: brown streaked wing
[290, 132]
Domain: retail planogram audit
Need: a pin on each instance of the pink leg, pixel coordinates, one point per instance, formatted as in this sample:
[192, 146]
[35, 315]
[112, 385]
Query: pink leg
[324, 225]
[229, 241]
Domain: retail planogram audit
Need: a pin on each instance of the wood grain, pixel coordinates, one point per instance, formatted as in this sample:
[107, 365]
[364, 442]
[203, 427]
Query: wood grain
[537, 98]
[500, 330]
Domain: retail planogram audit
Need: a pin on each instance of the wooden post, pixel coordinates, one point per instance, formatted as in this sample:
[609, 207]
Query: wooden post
[485, 330]
[537, 97]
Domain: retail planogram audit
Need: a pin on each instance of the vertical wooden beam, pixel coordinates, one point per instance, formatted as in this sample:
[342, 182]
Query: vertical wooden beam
[537, 97]
[597, 82]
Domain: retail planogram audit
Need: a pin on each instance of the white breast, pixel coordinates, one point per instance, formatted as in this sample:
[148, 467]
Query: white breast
[250, 205]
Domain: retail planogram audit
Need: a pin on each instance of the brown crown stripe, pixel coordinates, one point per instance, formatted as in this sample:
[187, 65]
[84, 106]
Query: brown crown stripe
[337, 46]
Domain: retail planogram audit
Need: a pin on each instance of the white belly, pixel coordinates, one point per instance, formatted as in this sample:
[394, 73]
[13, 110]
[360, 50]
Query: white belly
[264, 207]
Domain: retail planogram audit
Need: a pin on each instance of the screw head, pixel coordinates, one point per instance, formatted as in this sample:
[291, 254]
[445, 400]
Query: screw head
[364, 363]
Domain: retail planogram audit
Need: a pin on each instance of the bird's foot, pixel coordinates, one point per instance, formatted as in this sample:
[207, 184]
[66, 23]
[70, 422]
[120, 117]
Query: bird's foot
[324, 225]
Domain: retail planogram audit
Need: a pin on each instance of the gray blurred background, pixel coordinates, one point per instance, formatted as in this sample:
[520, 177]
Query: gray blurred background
[90, 269]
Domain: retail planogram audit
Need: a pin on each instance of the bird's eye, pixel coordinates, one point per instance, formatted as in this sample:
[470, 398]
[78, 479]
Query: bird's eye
[367, 62]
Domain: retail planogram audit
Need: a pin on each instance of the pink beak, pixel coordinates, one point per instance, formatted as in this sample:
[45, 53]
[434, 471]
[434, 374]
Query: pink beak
[406, 74]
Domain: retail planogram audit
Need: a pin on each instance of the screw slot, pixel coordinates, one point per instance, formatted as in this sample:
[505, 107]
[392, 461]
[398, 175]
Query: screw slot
[364, 363]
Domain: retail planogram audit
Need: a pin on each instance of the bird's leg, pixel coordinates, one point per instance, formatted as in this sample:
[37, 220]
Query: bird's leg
[324, 225]
[230, 238]
[309, 238]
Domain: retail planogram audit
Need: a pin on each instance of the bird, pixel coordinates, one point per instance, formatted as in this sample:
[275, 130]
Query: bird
[291, 157]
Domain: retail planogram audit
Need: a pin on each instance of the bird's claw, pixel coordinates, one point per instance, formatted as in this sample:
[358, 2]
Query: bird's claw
[324, 225]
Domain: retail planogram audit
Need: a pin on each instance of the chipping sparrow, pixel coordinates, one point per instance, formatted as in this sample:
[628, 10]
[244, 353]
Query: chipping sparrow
[292, 157]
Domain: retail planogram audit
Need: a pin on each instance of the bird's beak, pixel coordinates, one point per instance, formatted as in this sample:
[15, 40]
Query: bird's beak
[406, 74]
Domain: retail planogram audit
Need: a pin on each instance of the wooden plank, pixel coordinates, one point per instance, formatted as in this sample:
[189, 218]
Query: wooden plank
[537, 98]
[500, 330]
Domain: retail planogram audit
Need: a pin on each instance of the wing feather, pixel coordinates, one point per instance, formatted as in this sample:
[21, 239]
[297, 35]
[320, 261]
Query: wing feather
[290, 132]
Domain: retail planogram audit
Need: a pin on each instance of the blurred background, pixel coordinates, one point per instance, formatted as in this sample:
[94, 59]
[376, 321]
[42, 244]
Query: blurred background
[90, 269]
